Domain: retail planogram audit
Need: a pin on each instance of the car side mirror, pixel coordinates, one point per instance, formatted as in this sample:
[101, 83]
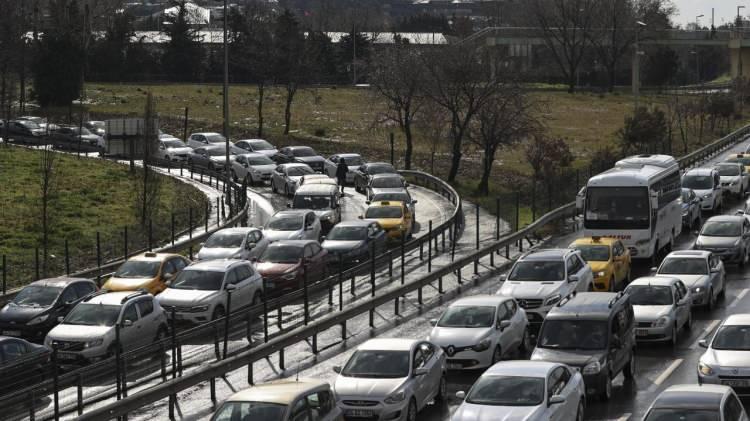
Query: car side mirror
[309, 228]
[322, 238]
[461, 395]
[230, 287]
[696, 232]
[367, 202]
[502, 278]
[336, 369]
[360, 217]
[127, 323]
[556, 399]
[414, 202]
[573, 278]
[503, 324]
[653, 269]
[288, 205]
[616, 343]
[703, 343]
[60, 319]
[250, 246]
[421, 371]
[433, 322]
[715, 270]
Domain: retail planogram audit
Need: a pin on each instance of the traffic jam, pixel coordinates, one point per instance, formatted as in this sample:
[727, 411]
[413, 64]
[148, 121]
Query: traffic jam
[560, 336]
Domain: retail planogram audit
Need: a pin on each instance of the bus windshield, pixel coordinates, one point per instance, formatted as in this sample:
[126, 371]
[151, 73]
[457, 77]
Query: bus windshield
[617, 208]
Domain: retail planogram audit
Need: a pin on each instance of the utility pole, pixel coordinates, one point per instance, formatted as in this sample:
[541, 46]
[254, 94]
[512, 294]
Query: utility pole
[636, 78]
[226, 110]
[354, 55]
[739, 34]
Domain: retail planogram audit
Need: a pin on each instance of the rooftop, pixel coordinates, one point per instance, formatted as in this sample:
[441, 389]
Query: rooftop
[521, 368]
[282, 392]
[392, 344]
[481, 300]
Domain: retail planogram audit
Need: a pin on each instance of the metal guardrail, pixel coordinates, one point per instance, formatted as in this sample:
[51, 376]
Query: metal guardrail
[209, 372]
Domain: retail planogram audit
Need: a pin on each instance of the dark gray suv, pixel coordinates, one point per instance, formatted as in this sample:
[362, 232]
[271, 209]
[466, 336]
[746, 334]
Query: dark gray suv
[594, 333]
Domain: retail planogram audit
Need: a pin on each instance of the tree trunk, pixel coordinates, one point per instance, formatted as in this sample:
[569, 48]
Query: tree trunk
[291, 89]
[484, 182]
[409, 143]
[572, 83]
[261, 92]
[455, 159]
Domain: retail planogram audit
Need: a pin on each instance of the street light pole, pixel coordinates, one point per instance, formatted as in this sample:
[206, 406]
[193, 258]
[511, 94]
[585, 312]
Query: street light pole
[637, 65]
[227, 172]
[739, 34]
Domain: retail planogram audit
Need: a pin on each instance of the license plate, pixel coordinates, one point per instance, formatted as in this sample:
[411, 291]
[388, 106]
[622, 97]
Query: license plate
[12, 332]
[641, 332]
[454, 366]
[364, 413]
[67, 356]
[735, 383]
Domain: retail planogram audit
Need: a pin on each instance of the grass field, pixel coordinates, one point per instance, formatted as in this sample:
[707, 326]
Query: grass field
[92, 195]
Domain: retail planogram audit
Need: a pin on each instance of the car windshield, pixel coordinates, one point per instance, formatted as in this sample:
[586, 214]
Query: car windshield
[732, 338]
[573, 334]
[387, 197]
[282, 254]
[380, 169]
[298, 171]
[82, 130]
[617, 208]
[173, 143]
[593, 253]
[352, 161]
[538, 270]
[650, 295]
[36, 296]
[29, 124]
[286, 223]
[302, 152]
[507, 391]
[721, 229]
[387, 183]
[93, 315]
[697, 182]
[261, 145]
[728, 170]
[225, 240]
[467, 316]
[380, 212]
[215, 138]
[216, 151]
[682, 266]
[241, 411]
[203, 280]
[377, 364]
[744, 160]
[259, 160]
[138, 269]
[339, 233]
[680, 414]
[302, 201]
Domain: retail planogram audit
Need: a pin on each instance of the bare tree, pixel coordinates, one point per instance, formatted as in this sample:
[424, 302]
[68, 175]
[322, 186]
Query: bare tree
[547, 156]
[506, 119]
[11, 39]
[434, 123]
[147, 181]
[48, 177]
[566, 27]
[397, 77]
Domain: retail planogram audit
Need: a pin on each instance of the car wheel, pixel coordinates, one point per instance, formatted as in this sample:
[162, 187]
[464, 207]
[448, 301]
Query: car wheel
[411, 413]
[442, 392]
[673, 339]
[689, 322]
[286, 190]
[525, 346]
[218, 313]
[273, 187]
[710, 301]
[580, 411]
[607, 392]
[497, 355]
[629, 370]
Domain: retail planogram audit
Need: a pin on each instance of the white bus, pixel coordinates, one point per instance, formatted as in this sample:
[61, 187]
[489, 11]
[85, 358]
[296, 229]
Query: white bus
[637, 202]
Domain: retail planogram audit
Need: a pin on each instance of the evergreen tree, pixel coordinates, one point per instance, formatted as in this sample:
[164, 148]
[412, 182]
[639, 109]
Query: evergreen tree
[183, 53]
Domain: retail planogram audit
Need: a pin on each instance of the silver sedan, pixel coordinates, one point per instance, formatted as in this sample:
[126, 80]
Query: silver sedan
[286, 177]
[661, 306]
[727, 357]
[391, 379]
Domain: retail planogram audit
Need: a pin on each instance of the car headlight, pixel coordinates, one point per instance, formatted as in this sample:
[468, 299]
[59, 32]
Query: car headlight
[592, 368]
[707, 195]
[552, 300]
[697, 290]
[734, 183]
[662, 321]
[289, 276]
[37, 320]
[199, 309]
[395, 397]
[325, 217]
[94, 343]
[600, 274]
[705, 369]
[48, 341]
[483, 345]
[401, 227]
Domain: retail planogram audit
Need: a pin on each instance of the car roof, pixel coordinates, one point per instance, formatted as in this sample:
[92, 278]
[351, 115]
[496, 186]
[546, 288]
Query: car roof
[387, 203]
[218, 265]
[586, 305]
[282, 392]
[252, 140]
[386, 175]
[391, 344]
[661, 280]
[293, 164]
[298, 243]
[740, 319]
[378, 164]
[288, 213]
[321, 189]
[299, 147]
[153, 257]
[236, 230]
[702, 254]
[691, 396]
[700, 171]
[253, 155]
[112, 298]
[599, 241]
[546, 254]
[207, 133]
[348, 155]
[481, 300]
[522, 368]
[355, 223]
[726, 218]
[213, 146]
[60, 282]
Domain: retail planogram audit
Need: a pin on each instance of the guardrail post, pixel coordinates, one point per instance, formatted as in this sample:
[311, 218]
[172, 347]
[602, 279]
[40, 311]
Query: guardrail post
[458, 275]
[281, 359]
[497, 220]
[163, 362]
[181, 165]
[353, 285]
[174, 344]
[55, 378]
[190, 252]
[315, 344]
[125, 381]
[390, 264]
[117, 361]
[265, 316]
[98, 252]
[454, 239]
[67, 260]
[79, 394]
[372, 317]
[442, 235]
[226, 323]
[250, 374]
[150, 235]
[477, 225]
[207, 213]
[218, 214]
[190, 223]
[223, 210]
[36, 263]
[395, 306]
[172, 227]
[330, 291]
[372, 269]
[403, 273]
[5, 274]
[419, 295]
[216, 341]
[429, 248]
[341, 283]
[306, 297]
[421, 251]
[212, 383]
[32, 399]
[125, 241]
[179, 359]
[343, 330]
[278, 320]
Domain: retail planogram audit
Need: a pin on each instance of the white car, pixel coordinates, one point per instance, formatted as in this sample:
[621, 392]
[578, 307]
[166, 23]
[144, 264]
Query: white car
[727, 357]
[199, 140]
[293, 224]
[701, 271]
[524, 390]
[353, 162]
[258, 146]
[480, 330]
[199, 293]
[706, 184]
[286, 177]
[234, 243]
[253, 167]
[661, 306]
[733, 178]
[88, 332]
[173, 149]
[390, 379]
[696, 402]
[540, 279]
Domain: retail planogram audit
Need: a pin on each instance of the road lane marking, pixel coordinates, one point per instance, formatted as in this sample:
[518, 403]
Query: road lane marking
[738, 298]
[665, 374]
[708, 329]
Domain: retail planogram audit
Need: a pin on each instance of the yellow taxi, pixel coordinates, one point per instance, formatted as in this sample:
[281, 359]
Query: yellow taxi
[741, 158]
[609, 260]
[395, 217]
[149, 271]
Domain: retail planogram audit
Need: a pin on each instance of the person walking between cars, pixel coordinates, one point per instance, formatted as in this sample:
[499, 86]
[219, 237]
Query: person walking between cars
[341, 171]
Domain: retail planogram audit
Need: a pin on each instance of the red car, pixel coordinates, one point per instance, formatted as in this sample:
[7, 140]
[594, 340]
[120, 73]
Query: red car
[282, 269]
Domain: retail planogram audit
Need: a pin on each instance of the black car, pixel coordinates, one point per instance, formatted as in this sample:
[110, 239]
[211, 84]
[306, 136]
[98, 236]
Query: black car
[302, 155]
[212, 157]
[364, 172]
[352, 242]
[24, 131]
[36, 308]
[21, 363]
[76, 138]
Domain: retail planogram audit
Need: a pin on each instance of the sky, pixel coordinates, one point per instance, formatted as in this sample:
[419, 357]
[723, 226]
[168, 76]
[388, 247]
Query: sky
[687, 10]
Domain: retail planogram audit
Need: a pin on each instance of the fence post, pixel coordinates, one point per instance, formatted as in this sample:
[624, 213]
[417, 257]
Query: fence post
[190, 223]
[390, 264]
[218, 214]
[306, 297]
[172, 227]
[403, 274]
[150, 235]
[98, 252]
[117, 361]
[497, 220]
[125, 242]
[341, 283]
[36, 262]
[518, 213]
[55, 377]
[67, 260]
[392, 154]
[208, 213]
[226, 323]
[265, 312]
[477, 225]
[79, 395]
[429, 248]
[5, 274]
[372, 269]
[185, 126]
